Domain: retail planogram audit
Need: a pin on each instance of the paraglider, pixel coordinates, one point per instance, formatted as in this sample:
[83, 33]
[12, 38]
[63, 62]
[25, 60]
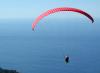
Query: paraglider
[51, 11]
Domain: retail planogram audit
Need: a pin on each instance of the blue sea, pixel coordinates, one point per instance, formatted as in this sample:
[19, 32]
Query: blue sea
[43, 50]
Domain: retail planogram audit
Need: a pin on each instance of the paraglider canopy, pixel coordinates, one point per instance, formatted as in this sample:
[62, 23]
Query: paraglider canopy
[51, 11]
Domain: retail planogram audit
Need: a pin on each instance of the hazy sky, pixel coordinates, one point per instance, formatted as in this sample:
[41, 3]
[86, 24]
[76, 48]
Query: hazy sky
[32, 8]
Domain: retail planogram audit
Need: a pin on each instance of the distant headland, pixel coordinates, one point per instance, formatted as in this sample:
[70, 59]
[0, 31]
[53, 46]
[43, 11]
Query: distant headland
[7, 71]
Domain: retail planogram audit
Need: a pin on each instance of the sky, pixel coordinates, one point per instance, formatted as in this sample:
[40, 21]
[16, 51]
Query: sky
[16, 9]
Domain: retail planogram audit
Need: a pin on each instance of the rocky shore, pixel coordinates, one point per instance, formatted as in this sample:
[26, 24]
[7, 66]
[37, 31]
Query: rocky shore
[7, 71]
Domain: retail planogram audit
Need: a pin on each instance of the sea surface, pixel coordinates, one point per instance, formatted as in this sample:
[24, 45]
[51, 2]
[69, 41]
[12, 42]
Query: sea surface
[43, 50]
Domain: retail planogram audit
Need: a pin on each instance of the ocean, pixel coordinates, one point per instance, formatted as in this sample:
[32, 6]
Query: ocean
[43, 50]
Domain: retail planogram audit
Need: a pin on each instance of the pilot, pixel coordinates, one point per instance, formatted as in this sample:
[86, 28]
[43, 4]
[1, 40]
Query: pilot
[66, 59]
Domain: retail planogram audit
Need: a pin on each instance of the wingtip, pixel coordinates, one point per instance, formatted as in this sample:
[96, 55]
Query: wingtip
[93, 21]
